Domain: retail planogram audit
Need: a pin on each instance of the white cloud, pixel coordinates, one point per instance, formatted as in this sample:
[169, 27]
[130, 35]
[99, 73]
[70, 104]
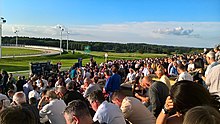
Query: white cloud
[196, 34]
[175, 31]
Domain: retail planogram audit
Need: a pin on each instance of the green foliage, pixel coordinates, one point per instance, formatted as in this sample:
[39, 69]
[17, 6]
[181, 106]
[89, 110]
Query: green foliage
[101, 46]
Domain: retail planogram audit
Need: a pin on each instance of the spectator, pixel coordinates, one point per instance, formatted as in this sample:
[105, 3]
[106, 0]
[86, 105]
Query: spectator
[210, 58]
[53, 109]
[130, 77]
[133, 110]
[17, 115]
[202, 115]
[183, 74]
[34, 93]
[105, 112]
[27, 87]
[69, 96]
[114, 82]
[19, 84]
[90, 87]
[184, 95]
[213, 81]
[217, 53]
[191, 66]
[20, 99]
[173, 70]
[163, 78]
[77, 113]
[157, 91]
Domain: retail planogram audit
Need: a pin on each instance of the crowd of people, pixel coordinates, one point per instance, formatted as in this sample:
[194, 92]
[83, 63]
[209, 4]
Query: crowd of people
[118, 92]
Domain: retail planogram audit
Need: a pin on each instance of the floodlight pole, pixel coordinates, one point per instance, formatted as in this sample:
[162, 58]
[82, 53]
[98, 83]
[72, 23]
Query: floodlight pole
[16, 32]
[61, 36]
[67, 40]
[2, 21]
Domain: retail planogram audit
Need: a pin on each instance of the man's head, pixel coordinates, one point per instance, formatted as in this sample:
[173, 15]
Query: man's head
[146, 82]
[160, 72]
[70, 85]
[117, 98]
[19, 98]
[60, 91]
[77, 113]
[87, 81]
[95, 99]
[107, 73]
[17, 115]
[51, 95]
[210, 57]
[181, 68]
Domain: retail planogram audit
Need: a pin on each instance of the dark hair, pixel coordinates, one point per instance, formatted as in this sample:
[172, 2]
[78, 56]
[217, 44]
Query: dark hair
[33, 101]
[17, 115]
[115, 68]
[96, 96]
[118, 94]
[107, 72]
[181, 66]
[187, 94]
[77, 108]
[202, 115]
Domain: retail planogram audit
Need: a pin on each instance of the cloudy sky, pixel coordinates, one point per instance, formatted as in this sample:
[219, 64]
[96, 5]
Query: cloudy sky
[172, 22]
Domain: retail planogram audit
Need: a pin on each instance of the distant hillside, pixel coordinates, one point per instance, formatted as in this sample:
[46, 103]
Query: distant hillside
[103, 46]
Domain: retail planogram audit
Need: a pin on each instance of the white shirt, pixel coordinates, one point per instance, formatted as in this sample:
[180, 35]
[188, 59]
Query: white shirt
[213, 80]
[131, 77]
[209, 67]
[191, 67]
[54, 110]
[34, 94]
[109, 113]
[44, 81]
[185, 76]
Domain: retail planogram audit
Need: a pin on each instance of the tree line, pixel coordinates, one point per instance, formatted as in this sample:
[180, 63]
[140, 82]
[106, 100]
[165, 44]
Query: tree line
[103, 46]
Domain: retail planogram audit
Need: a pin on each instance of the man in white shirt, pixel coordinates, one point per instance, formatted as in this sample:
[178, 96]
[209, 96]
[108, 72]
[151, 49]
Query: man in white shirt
[213, 81]
[105, 112]
[191, 66]
[34, 93]
[54, 109]
[210, 58]
[130, 77]
[183, 74]
[90, 87]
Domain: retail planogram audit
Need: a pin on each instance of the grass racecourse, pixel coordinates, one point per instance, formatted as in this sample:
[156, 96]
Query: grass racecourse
[68, 59]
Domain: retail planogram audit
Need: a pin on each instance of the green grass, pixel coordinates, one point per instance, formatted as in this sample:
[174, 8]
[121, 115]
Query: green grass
[19, 51]
[67, 60]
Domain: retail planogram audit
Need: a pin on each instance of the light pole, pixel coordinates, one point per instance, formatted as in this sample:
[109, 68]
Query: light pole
[2, 21]
[67, 40]
[16, 32]
[61, 36]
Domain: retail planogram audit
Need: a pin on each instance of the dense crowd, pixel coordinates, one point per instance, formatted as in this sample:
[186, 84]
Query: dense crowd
[172, 90]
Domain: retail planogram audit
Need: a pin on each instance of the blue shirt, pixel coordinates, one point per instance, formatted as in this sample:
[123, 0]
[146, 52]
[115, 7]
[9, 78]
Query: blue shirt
[113, 83]
[173, 71]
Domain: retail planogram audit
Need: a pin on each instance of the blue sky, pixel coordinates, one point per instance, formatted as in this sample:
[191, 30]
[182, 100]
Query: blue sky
[84, 14]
